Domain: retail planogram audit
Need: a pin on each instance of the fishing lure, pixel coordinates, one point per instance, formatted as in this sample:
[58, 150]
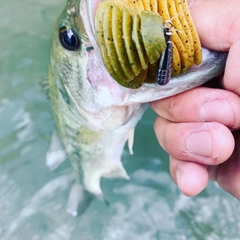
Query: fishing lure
[164, 71]
[132, 37]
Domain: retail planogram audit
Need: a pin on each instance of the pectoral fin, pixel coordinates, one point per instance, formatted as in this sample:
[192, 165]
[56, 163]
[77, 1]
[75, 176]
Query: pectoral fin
[55, 154]
[78, 200]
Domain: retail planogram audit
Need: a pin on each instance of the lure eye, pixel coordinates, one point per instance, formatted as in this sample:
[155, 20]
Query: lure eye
[68, 39]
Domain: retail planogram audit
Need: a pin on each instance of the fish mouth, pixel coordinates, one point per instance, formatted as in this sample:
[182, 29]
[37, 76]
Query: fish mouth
[142, 43]
[212, 64]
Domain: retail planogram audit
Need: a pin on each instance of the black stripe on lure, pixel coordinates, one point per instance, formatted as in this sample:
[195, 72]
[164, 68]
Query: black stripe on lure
[164, 70]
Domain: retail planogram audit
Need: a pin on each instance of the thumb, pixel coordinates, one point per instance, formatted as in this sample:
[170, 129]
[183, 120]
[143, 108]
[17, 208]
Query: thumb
[217, 22]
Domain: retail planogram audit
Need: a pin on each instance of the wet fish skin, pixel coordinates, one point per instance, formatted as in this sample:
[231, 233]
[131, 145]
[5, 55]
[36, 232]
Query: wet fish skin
[94, 115]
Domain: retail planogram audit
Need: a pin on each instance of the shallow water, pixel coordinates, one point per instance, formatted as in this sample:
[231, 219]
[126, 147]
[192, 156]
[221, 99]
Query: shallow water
[32, 199]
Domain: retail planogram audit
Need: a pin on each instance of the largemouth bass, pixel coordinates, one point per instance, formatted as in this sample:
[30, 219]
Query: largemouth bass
[95, 115]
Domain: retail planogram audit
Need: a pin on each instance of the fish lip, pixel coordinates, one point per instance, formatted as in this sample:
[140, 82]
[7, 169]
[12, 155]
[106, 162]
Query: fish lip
[92, 6]
[206, 65]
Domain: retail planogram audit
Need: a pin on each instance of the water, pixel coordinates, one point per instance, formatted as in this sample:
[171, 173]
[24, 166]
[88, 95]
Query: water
[33, 199]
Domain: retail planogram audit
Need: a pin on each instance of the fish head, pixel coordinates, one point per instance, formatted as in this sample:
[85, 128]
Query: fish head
[80, 75]
[85, 83]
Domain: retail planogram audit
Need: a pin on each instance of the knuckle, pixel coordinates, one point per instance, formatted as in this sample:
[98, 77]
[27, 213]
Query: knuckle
[174, 110]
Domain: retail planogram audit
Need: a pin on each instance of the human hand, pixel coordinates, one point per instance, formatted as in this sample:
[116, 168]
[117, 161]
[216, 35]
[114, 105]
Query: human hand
[218, 26]
[195, 131]
[195, 127]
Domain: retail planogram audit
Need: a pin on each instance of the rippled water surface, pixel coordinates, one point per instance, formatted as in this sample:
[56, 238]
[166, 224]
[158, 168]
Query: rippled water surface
[32, 199]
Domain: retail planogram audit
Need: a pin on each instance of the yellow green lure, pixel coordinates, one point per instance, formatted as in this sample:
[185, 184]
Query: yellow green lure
[131, 38]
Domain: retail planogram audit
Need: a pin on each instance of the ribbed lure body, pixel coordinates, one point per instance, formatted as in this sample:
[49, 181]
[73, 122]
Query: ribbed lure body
[130, 35]
[129, 41]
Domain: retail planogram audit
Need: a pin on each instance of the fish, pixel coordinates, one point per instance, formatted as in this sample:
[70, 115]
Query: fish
[95, 116]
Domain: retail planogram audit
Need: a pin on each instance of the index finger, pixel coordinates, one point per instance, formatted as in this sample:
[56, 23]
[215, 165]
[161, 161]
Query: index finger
[201, 104]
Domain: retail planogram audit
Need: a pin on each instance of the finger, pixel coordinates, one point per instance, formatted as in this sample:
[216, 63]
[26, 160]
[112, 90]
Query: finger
[191, 178]
[231, 78]
[201, 104]
[217, 24]
[229, 177]
[204, 143]
[228, 174]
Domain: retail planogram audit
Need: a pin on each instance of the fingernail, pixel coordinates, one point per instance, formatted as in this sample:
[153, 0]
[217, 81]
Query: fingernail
[217, 110]
[200, 143]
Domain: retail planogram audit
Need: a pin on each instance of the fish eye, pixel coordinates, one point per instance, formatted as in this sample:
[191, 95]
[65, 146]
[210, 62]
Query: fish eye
[68, 39]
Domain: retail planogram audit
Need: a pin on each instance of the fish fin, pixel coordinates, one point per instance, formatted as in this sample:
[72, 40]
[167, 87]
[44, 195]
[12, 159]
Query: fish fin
[92, 183]
[55, 154]
[44, 83]
[118, 172]
[78, 200]
[131, 140]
